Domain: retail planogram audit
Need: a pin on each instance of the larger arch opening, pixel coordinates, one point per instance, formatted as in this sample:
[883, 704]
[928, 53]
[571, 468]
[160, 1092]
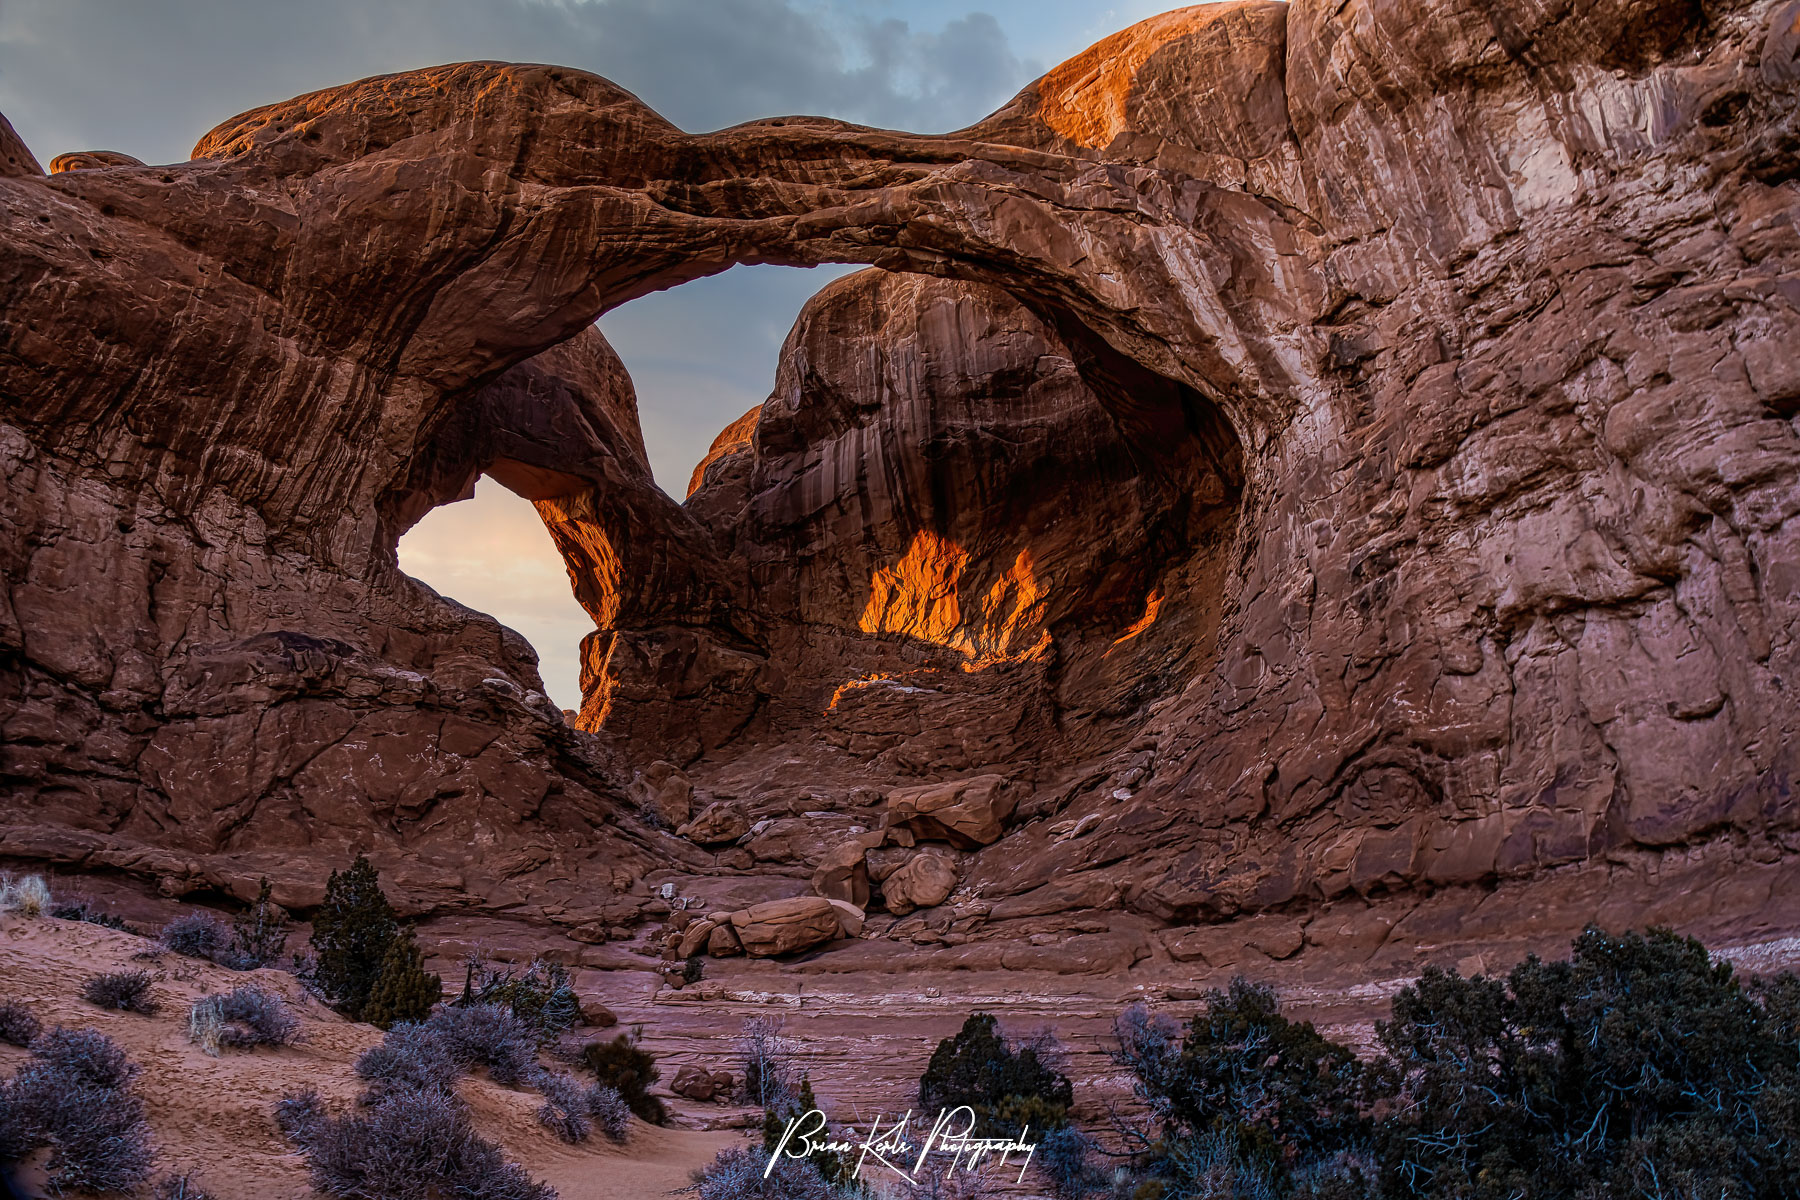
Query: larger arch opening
[954, 494]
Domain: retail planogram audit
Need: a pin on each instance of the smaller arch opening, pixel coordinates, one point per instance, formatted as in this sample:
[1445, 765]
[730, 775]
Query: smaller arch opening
[489, 551]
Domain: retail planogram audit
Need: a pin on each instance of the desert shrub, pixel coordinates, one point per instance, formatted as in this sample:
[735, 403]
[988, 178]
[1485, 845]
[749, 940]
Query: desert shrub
[611, 1115]
[488, 1035]
[404, 990]
[197, 934]
[1280, 1090]
[29, 897]
[1066, 1157]
[351, 934]
[19, 1026]
[410, 1058]
[74, 1096]
[1637, 1067]
[127, 991]
[693, 970]
[830, 1165]
[85, 1057]
[19, 1133]
[565, 1108]
[81, 911]
[259, 936]
[1009, 1085]
[1245, 1101]
[542, 995]
[767, 1061]
[625, 1066]
[411, 1145]
[737, 1173]
[206, 1024]
[99, 1140]
[181, 1187]
[244, 1017]
[298, 1114]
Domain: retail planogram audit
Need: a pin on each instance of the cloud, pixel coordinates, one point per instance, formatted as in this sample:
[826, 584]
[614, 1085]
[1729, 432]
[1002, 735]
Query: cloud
[149, 79]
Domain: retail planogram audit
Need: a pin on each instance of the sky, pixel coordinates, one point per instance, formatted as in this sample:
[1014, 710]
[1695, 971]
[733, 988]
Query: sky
[149, 77]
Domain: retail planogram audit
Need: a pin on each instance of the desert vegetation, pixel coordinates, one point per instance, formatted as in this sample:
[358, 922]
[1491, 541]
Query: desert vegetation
[365, 962]
[1012, 1086]
[410, 1134]
[410, 1144]
[19, 1026]
[28, 896]
[75, 1096]
[126, 991]
[541, 996]
[245, 1017]
[1638, 1067]
[623, 1065]
[257, 938]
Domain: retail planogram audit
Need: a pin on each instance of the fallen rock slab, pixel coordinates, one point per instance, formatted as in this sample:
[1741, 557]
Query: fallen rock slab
[967, 813]
[787, 926]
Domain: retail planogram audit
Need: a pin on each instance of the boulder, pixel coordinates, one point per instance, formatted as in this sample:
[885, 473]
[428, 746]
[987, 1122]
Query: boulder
[967, 813]
[718, 823]
[842, 874]
[695, 938]
[694, 1083]
[787, 926]
[924, 881]
[597, 1014]
[850, 916]
[886, 860]
[723, 941]
[663, 790]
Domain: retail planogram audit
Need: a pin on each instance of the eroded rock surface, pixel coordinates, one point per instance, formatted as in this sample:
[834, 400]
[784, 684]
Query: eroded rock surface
[1308, 455]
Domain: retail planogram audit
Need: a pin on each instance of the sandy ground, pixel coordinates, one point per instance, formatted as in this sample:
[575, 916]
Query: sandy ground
[212, 1116]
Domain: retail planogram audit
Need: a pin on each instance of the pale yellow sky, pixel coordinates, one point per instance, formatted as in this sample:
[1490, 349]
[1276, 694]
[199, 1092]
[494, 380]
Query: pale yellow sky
[492, 554]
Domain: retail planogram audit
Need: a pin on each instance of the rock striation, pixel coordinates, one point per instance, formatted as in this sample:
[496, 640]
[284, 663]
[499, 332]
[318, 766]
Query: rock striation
[1292, 454]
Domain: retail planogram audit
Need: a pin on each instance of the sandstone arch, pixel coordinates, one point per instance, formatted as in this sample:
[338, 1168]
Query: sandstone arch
[1492, 304]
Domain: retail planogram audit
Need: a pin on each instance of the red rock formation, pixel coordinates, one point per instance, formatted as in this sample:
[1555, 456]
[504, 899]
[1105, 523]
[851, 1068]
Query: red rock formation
[1351, 451]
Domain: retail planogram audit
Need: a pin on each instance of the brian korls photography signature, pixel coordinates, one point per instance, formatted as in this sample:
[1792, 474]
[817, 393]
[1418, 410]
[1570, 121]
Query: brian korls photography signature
[953, 1133]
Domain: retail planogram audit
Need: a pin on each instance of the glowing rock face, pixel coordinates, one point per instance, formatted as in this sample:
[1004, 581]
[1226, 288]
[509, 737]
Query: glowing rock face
[920, 597]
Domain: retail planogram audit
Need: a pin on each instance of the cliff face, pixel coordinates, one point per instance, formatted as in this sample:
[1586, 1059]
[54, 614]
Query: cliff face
[1301, 450]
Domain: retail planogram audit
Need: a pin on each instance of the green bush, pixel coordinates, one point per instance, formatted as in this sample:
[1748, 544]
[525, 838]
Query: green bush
[629, 1069]
[1638, 1067]
[405, 990]
[351, 934]
[1008, 1084]
[260, 935]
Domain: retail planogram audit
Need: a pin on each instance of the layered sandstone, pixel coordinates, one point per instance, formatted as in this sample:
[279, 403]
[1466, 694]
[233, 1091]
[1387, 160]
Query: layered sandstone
[1311, 456]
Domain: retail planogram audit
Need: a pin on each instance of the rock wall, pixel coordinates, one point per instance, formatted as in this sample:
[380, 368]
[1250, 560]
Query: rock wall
[1410, 386]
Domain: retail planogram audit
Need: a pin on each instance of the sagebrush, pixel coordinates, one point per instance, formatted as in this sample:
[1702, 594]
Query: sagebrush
[19, 1026]
[75, 1097]
[409, 1145]
[242, 1018]
[126, 991]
